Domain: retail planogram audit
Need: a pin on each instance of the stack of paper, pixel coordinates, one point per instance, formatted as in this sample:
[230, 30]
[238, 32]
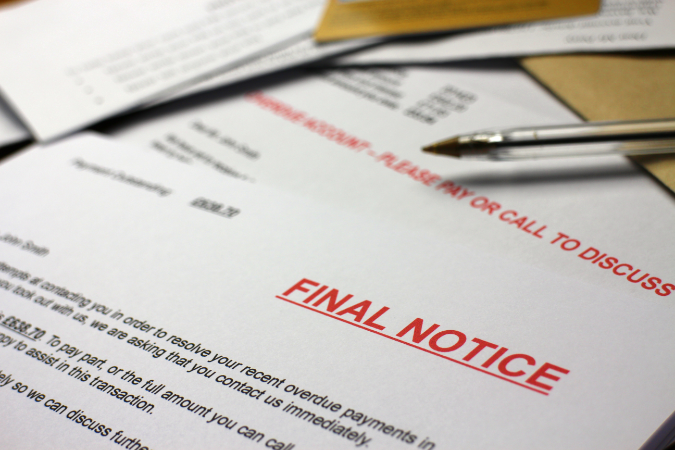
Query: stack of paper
[251, 254]
[619, 26]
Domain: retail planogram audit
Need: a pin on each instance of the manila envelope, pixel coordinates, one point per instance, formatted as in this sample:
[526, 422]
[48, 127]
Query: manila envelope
[344, 19]
[615, 87]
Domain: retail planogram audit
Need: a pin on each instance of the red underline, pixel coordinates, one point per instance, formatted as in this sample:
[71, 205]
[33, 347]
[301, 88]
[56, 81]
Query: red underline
[413, 345]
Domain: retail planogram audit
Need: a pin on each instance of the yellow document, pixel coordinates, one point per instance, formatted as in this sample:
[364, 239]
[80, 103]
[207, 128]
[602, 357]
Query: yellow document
[344, 19]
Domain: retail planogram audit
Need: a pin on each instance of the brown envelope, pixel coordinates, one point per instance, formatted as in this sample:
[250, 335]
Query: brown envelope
[344, 19]
[615, 87]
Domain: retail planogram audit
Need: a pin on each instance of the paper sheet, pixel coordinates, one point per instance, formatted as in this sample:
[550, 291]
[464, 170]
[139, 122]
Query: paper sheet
[352, 139]
[621, 25]
[303, 52]
[70, 63]
[146, 308]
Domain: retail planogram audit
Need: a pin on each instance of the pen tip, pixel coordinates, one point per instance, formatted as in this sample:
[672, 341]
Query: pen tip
[449, 147]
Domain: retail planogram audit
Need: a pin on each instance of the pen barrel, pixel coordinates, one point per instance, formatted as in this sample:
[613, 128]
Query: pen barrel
[514, 153]
[645, 129]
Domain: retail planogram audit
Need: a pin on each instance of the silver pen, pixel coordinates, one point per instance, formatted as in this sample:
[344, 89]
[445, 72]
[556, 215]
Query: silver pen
[644, 137]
